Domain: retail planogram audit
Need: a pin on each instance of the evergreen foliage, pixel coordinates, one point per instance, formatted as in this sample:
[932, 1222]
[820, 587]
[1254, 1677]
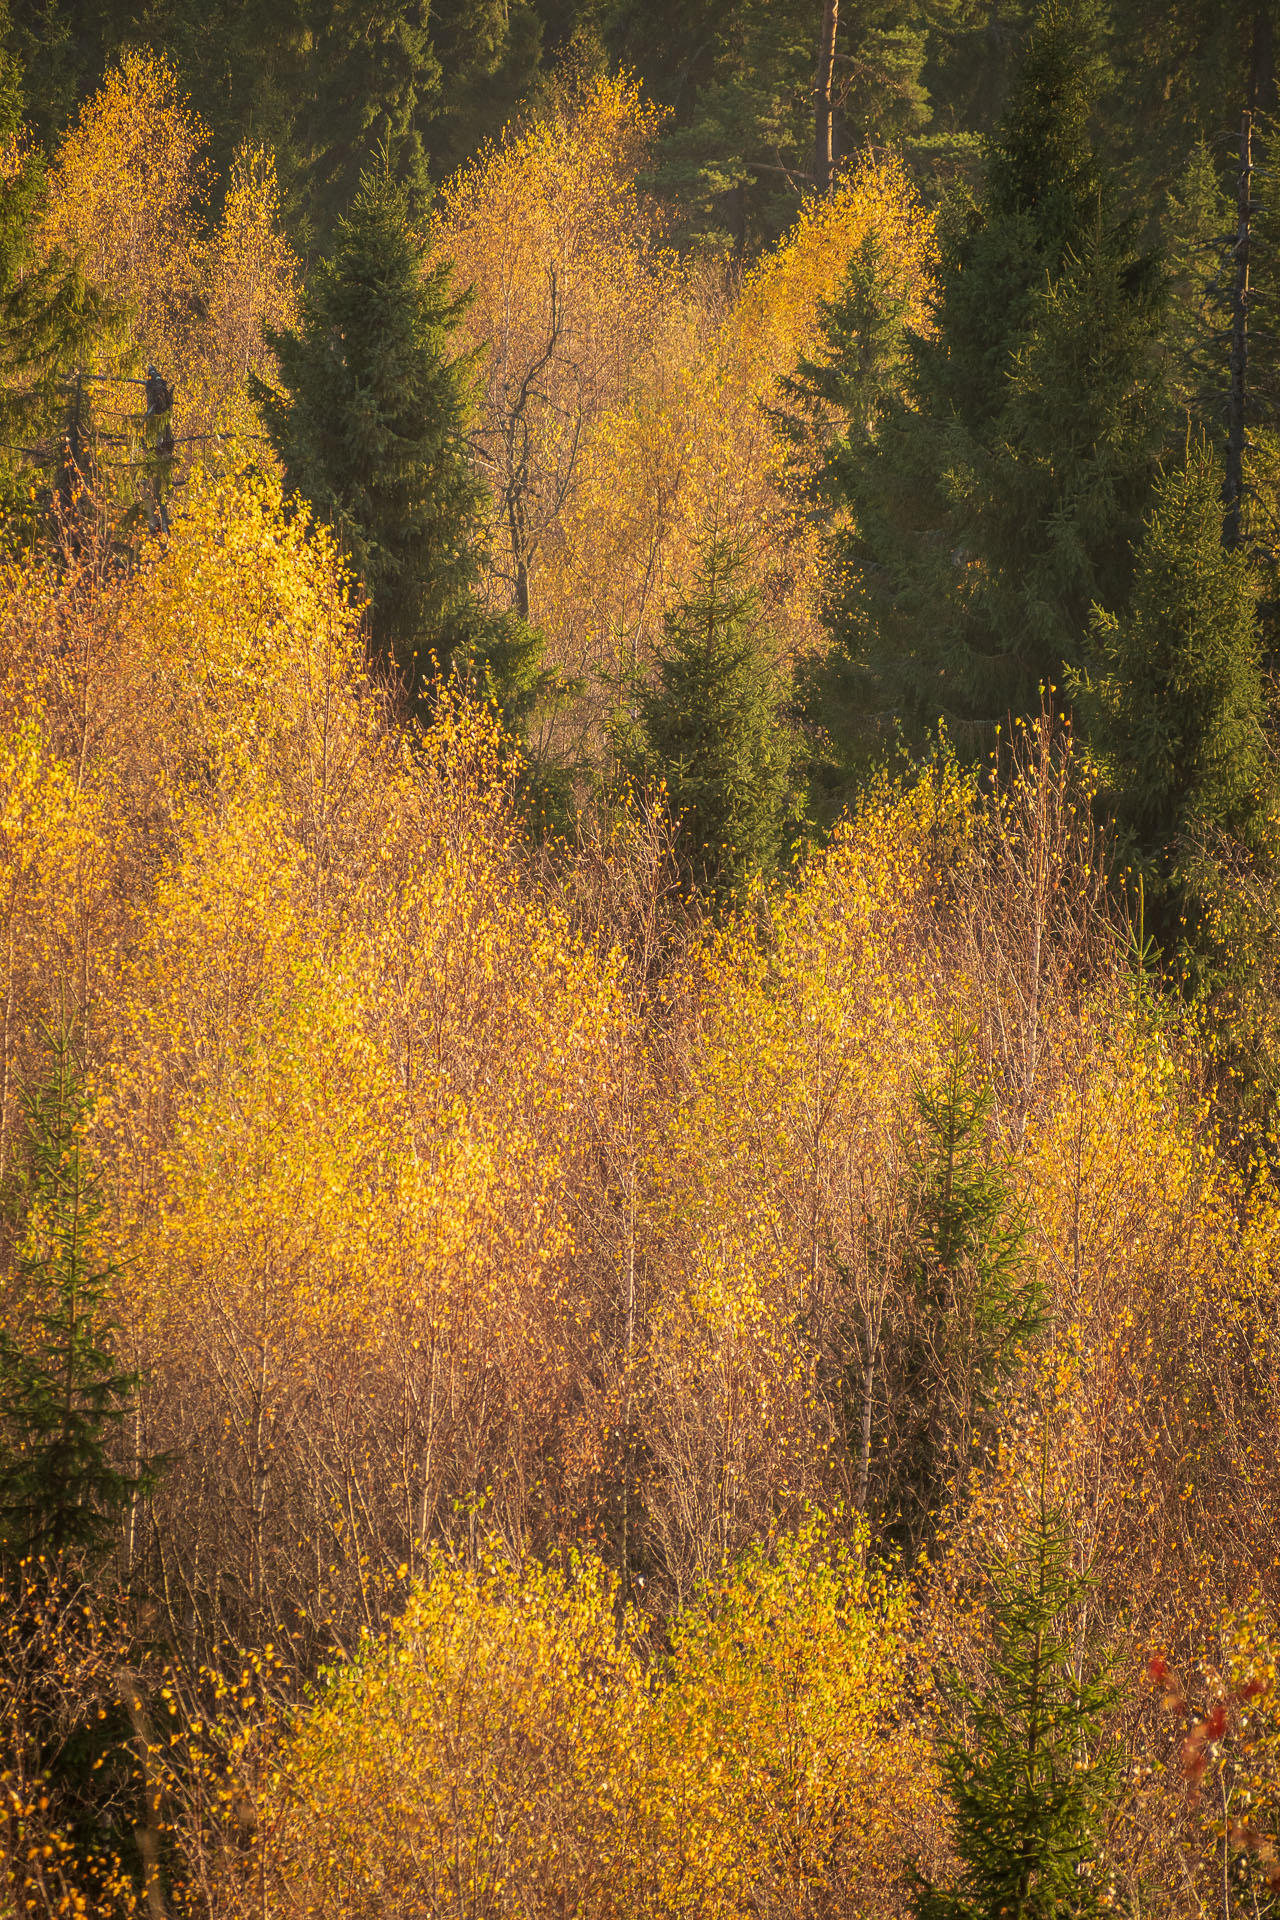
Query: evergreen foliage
[1183, 70]
[377, 84]
[975, 1301]
[1173, 697]
[52, 320]
[332, 87]
[63, 1391]
[1029, 1800]
[490, 53]
[712, 728]
[1202, 238]
[741, 155]
[829, 408]
[1260, 503]
[996, 502]
[739, 78]
[835, 397]
[1199, 227]
[370, 418]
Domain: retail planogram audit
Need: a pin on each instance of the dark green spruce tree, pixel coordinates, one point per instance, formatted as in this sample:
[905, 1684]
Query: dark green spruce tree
[369, 416]
[1172, 697]
[712, 727]
[1199, 236]
[374, 85]
[829, 408]
[1029, 1789]
[834, 398]
[996, 502]
[64, 1394]
[972, 1298]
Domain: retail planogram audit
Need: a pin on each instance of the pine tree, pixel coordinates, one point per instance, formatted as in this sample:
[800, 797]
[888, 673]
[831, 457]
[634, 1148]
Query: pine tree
[1173, 697]
[1029, 1799]
[370, 417]
[997, 501]
[973, 1301]
[63, 1392]
[712, 728]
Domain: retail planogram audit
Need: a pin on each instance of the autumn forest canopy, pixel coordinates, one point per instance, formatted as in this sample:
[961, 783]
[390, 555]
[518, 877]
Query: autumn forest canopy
[639, 960]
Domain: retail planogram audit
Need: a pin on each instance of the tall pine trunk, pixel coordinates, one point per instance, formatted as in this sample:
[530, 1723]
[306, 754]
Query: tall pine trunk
[824, 163]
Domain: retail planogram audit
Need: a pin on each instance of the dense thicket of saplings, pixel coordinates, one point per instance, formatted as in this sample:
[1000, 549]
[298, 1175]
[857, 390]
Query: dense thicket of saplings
[639, 1240]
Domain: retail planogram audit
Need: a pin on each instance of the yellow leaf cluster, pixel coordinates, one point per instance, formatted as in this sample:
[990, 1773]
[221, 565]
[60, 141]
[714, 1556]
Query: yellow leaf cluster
[128, 195]
[458, 1195]
[625, 394]
[504, 1751]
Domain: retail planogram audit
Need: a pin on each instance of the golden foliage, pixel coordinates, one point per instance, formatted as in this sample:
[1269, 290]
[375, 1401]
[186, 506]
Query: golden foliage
[62, 1666]
[126, 192]
[450, 1202]
[795, 1769]
[570, 292]
[465, 1195]
[625, 394]
[488, 1759]
[502, 1751]
[129, 190]
[775, 1179]
[355, 1069]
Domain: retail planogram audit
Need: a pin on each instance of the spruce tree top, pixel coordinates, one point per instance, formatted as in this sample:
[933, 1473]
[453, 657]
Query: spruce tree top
[64, 1393]
[1041, 161]
[836, 397]
[1030, 1774]
[370, 417]
[974, 1294]
[1173, 699]
[969, 1222]
[997, 501]
[712, 729]
[1041, 196]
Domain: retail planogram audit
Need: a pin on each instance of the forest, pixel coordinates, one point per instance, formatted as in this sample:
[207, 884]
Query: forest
[639, 960]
